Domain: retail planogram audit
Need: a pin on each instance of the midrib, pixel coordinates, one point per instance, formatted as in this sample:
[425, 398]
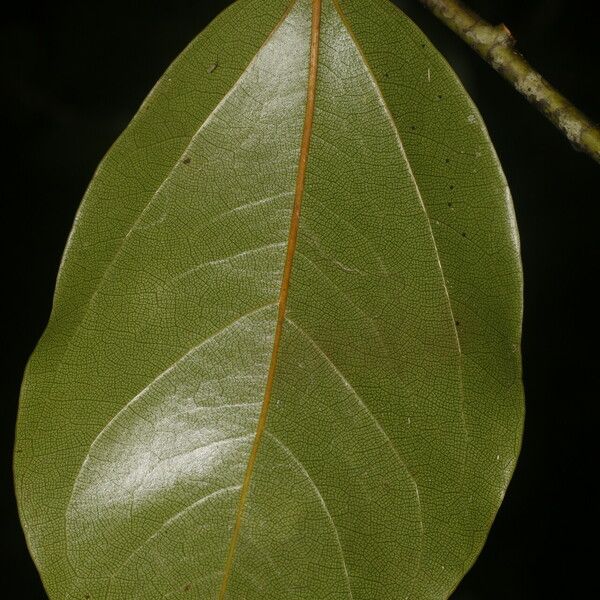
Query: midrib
[284, 289]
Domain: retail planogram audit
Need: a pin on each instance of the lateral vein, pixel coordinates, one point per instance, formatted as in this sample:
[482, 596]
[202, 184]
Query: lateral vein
[284, 289]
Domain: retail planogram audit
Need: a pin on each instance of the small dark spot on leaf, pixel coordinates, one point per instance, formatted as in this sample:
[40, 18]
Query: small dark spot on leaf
[187, 160]
[451, 187]
[457, 323]
[413, 127]
[187, 587]
[447, 160]
[87, 596]
[450, 204]
[464, 234]
[386, 74]
[439, 96]
[422, 45]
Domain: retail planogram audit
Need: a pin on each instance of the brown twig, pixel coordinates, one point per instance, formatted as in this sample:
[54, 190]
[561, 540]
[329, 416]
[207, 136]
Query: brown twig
[496, 45]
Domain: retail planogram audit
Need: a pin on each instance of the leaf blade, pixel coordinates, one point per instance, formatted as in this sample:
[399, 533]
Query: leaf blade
[372, 312]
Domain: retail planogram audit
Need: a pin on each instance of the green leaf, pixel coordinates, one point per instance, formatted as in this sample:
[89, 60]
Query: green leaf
[283, 358]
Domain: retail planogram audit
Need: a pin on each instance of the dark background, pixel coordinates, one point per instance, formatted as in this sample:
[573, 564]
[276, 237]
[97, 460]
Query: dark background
[73, 74]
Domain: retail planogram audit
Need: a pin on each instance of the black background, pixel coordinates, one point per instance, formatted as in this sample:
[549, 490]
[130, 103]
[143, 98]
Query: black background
[73, 74]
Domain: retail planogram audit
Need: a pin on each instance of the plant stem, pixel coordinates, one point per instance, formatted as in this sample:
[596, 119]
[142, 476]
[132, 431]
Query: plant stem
[496, 45]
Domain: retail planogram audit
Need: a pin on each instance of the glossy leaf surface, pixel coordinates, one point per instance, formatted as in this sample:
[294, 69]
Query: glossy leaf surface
[283, 358]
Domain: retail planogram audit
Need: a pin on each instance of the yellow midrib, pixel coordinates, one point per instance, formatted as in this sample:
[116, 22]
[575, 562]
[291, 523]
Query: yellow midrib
[285, 284]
